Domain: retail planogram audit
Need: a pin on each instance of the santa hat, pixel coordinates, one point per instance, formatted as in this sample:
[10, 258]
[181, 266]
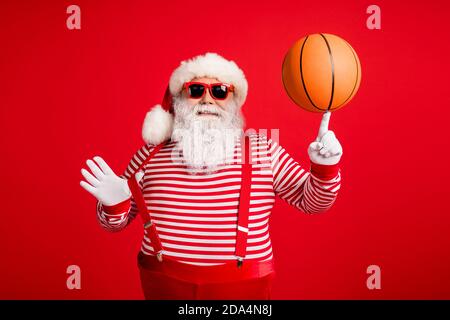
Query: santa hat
[158, 123]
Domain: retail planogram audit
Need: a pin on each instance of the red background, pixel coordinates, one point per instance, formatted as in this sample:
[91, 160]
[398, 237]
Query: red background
[68, 95]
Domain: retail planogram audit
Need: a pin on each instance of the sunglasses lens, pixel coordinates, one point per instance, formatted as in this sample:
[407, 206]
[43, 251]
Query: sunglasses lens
[219, 91]
[196, 91]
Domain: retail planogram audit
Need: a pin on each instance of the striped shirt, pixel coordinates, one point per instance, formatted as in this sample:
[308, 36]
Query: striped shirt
[196, 215]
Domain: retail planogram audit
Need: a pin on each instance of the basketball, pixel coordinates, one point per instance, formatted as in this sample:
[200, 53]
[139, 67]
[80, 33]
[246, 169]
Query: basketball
[321, 72]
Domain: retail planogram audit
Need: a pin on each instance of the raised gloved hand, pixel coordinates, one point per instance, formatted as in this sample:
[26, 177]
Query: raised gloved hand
[105, 185]
[326, 149]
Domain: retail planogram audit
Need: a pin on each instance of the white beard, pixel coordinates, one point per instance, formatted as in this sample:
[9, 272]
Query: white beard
[205, 142]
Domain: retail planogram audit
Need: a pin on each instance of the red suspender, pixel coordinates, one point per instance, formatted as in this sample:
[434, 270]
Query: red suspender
[244, 201]
[142, 207]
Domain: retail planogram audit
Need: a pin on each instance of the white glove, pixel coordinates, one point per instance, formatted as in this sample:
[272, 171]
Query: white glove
[106, 186]
[326, 149]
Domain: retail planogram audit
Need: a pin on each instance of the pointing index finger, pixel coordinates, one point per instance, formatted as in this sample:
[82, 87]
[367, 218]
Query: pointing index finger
[324, 124]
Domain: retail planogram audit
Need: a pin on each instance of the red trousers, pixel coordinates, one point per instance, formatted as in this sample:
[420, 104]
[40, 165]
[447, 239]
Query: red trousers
[172, 280]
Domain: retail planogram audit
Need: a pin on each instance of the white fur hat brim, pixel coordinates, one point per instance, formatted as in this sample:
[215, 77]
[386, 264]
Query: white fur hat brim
[158, 125]
[210, 65]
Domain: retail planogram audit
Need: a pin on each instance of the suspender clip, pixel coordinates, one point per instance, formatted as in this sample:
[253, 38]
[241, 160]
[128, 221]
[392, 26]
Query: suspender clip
[148, 224]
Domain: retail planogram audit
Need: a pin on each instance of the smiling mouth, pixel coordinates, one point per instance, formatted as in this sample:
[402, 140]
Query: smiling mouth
[207, 113]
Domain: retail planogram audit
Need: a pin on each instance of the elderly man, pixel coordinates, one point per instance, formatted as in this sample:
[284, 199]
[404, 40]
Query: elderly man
[205, 190]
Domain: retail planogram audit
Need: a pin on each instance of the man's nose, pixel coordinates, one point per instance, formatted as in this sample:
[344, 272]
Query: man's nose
[207, 99]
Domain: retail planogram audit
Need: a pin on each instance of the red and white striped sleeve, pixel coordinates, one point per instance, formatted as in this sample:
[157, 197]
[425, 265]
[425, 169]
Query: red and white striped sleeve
[117, 217]
[311, 191]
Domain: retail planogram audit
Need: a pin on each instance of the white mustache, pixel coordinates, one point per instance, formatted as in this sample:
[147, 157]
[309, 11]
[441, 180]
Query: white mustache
[207, 109]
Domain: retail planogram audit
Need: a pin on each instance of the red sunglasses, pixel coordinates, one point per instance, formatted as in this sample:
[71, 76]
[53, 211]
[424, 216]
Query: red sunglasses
[219, 91]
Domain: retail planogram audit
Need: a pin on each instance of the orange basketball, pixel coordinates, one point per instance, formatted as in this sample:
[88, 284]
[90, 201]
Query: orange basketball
[321, 72]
